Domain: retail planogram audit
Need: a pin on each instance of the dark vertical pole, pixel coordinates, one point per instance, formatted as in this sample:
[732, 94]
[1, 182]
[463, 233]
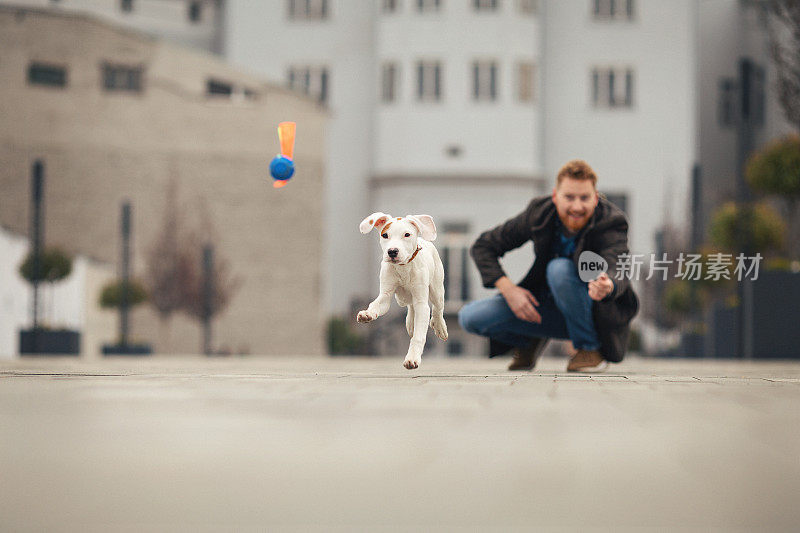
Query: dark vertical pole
[659, 238]
[464, 274]
[696, 236]
[125, 274]
[37, 237]
[218, 44]
[745, 130]
[745, 138]
[208, 294]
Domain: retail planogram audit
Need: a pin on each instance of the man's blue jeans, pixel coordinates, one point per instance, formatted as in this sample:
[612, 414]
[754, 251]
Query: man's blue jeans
[566, 313]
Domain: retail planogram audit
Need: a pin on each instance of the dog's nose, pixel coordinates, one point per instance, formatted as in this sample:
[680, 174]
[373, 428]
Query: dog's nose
[392, 252]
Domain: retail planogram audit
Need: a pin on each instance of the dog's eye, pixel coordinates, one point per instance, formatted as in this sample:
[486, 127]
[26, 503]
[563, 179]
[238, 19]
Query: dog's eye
[408, 235]
[385, 236]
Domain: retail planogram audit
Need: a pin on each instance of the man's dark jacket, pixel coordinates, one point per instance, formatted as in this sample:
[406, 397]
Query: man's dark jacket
[606, 234]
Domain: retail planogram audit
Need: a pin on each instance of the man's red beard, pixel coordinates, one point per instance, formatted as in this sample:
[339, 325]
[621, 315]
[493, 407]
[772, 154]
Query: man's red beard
[575, 222]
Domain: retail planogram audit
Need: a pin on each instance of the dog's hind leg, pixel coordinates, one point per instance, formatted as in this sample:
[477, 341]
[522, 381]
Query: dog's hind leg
[404, 300]
[437, 303]
[422, 311]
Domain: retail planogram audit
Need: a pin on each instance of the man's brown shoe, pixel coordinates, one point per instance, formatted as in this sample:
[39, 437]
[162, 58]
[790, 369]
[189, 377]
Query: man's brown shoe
[587, 361]
[524, 358]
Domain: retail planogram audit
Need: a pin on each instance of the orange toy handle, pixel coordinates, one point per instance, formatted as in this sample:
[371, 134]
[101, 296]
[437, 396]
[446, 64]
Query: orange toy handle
[279, 183]
[286, 137]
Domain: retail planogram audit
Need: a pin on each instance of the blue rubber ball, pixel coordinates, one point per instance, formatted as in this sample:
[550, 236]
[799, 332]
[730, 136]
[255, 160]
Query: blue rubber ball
[281, 168]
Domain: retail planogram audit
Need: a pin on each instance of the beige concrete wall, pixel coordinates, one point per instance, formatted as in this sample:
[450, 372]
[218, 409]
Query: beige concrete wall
[167, 19]
[100, 148]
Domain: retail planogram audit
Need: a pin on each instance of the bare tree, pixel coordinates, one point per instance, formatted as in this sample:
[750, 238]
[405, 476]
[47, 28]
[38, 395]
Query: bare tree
[174, 274]
[171, 266]
[223, 283]
[784, 35]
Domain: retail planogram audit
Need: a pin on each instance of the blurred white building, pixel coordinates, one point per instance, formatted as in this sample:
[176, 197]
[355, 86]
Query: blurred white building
[435, 106]
[466, 109]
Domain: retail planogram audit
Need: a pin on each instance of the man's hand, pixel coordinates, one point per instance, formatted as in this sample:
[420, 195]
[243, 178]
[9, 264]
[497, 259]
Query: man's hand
[601, 287]
[521, 301]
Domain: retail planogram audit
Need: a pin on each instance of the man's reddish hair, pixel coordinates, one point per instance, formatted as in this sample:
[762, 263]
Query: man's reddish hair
[577, 169]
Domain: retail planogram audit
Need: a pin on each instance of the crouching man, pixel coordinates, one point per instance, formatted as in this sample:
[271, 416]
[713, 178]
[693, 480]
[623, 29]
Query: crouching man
[552, 302]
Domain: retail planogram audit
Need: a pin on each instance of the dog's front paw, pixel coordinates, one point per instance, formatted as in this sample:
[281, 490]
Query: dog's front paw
[365, 316]
[439, 327]
[411, 363]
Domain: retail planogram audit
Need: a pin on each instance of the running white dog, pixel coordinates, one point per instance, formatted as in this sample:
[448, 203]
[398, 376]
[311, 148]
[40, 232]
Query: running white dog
[411, 270]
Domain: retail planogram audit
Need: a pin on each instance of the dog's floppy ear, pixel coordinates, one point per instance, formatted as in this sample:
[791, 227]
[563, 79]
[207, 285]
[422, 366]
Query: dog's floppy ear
[375, 220]
[425, 226]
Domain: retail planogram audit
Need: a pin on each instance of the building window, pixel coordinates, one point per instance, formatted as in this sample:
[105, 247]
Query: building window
[195, 12]
[122, 78]
[424, 6]
[612, 9]
[390, 6]
[429, 81]
[322, 94]
[618, 199]
[484, 5]
[456, 263]
[389, 82]
[484, 80]
[726, 109]
[526, 81]
[453, 151]
[612, 87]
[752, 93]
[126, 6]
[527, 7]
[312, 81]
[44, 74]
[308, 9]
[218, 88]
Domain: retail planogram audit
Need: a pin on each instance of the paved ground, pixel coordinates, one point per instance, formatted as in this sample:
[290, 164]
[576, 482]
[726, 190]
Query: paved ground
[262, 444]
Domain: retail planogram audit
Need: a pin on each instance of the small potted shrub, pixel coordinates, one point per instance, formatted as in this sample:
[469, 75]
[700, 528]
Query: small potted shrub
[111, 298]
[55, 265]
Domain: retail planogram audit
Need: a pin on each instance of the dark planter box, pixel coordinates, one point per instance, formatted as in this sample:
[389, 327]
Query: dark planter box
[723, 327]
[692, 345]
[49, 342]
[770, 314]
[773, 333]
[127, 349]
